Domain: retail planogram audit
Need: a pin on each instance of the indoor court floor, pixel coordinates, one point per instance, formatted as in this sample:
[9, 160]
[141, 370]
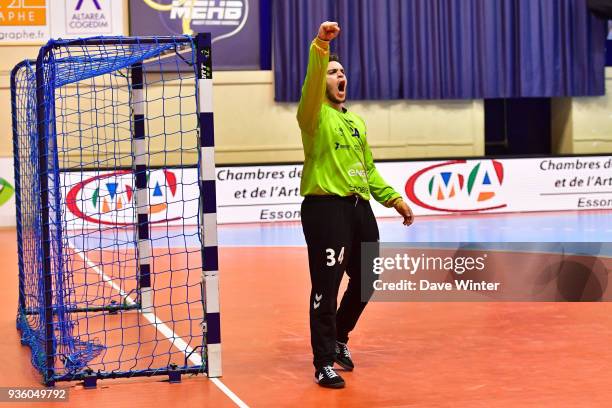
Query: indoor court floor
[407, 354]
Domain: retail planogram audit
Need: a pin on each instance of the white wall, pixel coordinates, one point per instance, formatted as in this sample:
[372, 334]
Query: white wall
[584, 125]
[251, 127]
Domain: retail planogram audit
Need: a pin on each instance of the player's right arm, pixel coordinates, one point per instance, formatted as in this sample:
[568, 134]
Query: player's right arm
[313, 90]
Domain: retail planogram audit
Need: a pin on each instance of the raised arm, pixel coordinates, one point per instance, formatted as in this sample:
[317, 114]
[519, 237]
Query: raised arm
[313, 90]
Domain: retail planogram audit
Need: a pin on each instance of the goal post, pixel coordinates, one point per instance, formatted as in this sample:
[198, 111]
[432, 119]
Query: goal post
[113, 143]
[208, 209]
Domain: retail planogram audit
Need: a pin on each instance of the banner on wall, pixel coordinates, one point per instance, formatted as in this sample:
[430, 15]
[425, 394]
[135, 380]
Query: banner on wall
[271, 193]
[86, 18]
[7, 193]
[232, 23]
[36, 21]
[24, 21]
[108, 198]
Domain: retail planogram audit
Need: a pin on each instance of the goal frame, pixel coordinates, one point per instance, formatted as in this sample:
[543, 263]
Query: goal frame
[207, 218]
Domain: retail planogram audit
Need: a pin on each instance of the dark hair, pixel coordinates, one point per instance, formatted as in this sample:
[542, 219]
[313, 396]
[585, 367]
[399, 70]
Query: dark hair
[334, 57]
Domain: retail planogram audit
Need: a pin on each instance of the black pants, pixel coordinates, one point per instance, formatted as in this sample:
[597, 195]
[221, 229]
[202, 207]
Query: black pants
[334, 228]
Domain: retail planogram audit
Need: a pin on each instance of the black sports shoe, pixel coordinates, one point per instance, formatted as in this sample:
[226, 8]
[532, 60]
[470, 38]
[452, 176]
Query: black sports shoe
[327, 377]
[343, 357]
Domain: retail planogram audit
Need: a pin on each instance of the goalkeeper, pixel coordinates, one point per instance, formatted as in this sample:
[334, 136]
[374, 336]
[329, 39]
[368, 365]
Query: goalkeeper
[338, 179]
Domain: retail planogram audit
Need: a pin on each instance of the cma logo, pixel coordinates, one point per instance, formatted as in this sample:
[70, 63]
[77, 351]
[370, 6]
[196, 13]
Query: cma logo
[109, 198]
[458, 186]
[202, 12]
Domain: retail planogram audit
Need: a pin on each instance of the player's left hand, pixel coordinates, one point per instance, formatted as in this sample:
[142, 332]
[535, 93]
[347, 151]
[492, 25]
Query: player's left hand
[404, 210]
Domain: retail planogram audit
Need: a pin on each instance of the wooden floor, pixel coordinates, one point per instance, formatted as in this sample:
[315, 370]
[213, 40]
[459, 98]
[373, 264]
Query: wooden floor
[406, 354]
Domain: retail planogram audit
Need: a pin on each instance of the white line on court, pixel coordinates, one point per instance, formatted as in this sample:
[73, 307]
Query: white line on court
[172, 337]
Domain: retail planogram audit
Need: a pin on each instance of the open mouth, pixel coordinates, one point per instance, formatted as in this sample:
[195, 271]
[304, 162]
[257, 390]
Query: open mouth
[341, 86]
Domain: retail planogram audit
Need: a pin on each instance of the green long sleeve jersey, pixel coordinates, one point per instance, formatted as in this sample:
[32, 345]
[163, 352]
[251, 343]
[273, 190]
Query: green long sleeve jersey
[338, 160]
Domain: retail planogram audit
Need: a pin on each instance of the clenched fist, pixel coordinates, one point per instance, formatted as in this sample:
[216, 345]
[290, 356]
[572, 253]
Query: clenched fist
[329, 30]
[404, 210]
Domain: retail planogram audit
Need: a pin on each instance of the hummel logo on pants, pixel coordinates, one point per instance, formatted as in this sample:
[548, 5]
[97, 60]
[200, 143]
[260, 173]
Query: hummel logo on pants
[317, 302]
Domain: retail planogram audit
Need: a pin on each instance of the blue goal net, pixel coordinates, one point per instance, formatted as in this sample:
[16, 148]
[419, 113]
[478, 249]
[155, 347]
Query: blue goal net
[116, 216]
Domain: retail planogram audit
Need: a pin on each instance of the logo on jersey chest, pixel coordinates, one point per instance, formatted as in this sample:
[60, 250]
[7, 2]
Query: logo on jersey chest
[350, 127]
[354, 132]
[339, 146]
[344, 133]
